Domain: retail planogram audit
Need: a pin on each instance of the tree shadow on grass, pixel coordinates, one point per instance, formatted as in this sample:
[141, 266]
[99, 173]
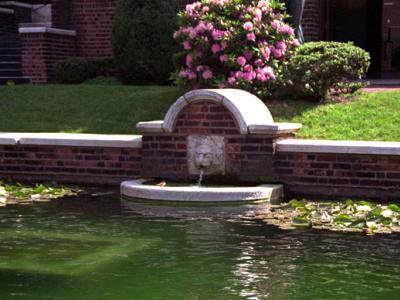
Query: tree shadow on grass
[288, 110]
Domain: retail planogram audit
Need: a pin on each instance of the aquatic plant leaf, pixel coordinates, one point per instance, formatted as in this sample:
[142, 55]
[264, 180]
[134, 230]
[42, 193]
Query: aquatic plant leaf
[387, 213]
[343, 218]
[296, 203]
[38, 189]
[300, 220]
[394, 207]
[363, 208]
[349, 202]
[358, 223]
[371, 225]
[326, 218]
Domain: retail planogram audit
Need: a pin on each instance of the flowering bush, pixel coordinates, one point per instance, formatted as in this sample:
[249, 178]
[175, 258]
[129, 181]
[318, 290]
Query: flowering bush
[233, 43]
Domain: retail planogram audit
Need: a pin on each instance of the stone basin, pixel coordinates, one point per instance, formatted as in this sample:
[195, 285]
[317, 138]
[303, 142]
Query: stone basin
[138, 189]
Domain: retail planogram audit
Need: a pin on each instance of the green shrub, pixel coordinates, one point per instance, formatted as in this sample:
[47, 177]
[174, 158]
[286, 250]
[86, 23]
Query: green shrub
[318, 69]
[396, 59]
[78, 70]
[142, 40]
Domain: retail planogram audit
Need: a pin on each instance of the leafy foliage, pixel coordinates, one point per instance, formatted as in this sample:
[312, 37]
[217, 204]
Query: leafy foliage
[349, 215]
[77, 70]
[15, 193]
[142, 40]
[319, 68]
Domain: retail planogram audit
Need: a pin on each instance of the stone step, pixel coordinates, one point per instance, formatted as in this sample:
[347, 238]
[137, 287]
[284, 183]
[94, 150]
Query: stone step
[10, 51]
[12, 43]
[10, 65]
[10, 58]
[10, 80]
[10, 72]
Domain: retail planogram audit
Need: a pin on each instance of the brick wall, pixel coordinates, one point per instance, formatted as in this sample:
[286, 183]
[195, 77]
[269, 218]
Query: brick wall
[345, 175]
[312, 19]
[41, 51]
[61, 14]
[247, 158]
[98, 165]
[91, 19]
[7, 24]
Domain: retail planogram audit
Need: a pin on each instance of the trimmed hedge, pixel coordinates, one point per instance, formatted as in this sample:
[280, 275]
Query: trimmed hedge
[142, 40]
[318, 69]
[78, 70]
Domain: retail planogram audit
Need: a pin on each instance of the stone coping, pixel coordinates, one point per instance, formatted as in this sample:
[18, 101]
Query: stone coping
[151, 127]
[270, 129]
[68, 139]
[275, 128]
[43, 29]
[35, 24]
[8, 139]
[136, 189]
[339, 147]
[6, 11]
[16, 3]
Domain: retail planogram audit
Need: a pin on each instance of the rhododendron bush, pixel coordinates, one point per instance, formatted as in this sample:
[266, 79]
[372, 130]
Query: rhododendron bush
[233, 43]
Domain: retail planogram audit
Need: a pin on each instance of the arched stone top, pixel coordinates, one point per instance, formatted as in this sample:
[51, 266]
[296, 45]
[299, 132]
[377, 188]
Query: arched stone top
[250, 113]
[246, 108]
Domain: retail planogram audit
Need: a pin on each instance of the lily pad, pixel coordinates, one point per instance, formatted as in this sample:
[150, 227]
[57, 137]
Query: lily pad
[394, 207]
[343, 218]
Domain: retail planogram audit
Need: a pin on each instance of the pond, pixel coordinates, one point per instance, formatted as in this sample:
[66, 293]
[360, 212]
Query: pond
[103, 248]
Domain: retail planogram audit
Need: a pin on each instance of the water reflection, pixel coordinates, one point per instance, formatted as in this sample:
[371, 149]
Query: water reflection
[101, 248]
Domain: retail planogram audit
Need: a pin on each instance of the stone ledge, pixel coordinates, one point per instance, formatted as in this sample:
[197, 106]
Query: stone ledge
[274, 129]
[271, 129]
[66, 139]
[47, 30]
[339, 147]
[7, 11]
[151, 127]
[16, 4]
[8, 139]
[136, 189]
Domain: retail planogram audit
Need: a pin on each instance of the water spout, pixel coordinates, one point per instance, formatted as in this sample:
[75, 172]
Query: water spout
[200, 180]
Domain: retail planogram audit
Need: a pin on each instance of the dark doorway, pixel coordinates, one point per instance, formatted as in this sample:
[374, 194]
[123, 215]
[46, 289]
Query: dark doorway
[359, 21]
[391, 39]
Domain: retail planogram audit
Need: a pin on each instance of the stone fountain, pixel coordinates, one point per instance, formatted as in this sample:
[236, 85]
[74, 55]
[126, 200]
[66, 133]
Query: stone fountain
[224, 134]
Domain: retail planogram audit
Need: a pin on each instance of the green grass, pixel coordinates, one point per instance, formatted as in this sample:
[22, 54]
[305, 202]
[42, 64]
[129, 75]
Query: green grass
[82, 108]
[116, 109]
[366, 116]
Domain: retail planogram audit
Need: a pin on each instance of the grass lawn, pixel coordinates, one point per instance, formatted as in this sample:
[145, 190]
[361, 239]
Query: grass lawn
[116, 109]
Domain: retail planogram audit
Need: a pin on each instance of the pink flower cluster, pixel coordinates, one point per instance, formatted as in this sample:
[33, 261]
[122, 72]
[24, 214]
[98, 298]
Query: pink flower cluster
[220, 53]
[282, 27]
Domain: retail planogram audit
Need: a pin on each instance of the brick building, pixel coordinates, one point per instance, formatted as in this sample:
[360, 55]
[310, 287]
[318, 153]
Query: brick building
[34, 34]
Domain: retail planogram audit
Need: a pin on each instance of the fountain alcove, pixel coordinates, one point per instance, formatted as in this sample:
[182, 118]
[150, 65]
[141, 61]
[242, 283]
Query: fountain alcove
[207, 134]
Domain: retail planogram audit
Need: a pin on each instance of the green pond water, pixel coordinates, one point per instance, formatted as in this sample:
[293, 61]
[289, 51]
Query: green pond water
[104, 248]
